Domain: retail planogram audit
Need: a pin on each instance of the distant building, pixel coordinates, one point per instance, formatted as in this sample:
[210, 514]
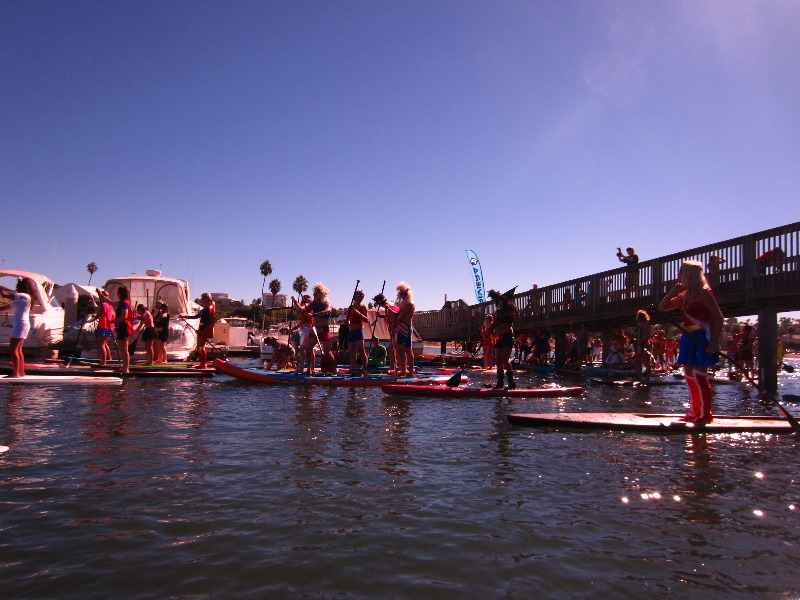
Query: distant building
[279, 300]
[219, 296]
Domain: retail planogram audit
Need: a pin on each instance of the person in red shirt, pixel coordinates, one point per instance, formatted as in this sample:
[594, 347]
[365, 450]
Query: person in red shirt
[488, 339]
[357, 315]
[391, 312]
[104, 330]
[123, 323]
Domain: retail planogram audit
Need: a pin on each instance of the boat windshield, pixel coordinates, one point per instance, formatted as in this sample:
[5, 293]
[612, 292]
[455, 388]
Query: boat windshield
[147, 291]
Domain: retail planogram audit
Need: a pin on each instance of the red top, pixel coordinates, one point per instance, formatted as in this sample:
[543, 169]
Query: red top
[696, 313]
[106, 315]
[128, 315]
[355, 318]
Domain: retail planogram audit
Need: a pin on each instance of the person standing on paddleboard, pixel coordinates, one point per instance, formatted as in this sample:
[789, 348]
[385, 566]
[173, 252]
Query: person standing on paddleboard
[148, 328]
[405, 330]
[505, 314]
[320, 309]
[205, 329]
[21, 305]
[699, 345]
[104, 330]
[488, 339]
[357, 315]
[161, 322]
[123, 325]
[392, 316]
[305, 352]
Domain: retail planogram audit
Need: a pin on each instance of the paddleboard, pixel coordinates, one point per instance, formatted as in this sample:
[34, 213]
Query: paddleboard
[107, 371]
[59, 380]
[273, 377]
[443, 391]
[649, 423]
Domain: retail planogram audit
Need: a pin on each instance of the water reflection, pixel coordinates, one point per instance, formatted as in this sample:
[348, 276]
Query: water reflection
[701, 475]
[395, 443]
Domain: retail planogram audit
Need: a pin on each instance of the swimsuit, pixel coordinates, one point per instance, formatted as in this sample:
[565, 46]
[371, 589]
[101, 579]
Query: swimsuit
[404, 334]
[698, 323]
[162, 326]
[125, 329]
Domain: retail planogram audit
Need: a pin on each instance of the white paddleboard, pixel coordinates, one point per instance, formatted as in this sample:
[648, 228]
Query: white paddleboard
[60, 380]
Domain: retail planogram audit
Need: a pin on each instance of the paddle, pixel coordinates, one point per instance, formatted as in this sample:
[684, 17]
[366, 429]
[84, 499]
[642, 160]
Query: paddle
[455, 380]
[375, 322]
[786, 414]
[134, 342]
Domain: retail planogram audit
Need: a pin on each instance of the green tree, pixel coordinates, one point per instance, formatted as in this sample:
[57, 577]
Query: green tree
[266, 271]
[300, 285]
[274, 287]
[92, 268]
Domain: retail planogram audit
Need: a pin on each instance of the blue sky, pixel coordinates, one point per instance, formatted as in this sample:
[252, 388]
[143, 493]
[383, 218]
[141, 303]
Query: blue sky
[373, 140]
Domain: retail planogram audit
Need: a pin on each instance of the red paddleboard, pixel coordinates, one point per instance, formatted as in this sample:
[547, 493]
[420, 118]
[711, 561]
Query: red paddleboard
[443, 391]
[273, 377]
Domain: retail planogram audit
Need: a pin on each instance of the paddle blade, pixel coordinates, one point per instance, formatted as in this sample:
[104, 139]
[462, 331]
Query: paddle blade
[788, 368]
[132, 346]
[455, 380]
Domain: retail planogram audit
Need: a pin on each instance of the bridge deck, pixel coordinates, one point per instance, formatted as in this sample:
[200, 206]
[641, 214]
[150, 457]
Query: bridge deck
[752, 277]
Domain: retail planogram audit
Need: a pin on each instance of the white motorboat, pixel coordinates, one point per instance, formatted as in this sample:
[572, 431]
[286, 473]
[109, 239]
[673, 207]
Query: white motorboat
[47, 315]
[145, 290]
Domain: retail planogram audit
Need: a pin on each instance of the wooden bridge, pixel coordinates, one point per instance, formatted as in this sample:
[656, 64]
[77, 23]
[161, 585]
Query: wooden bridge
[758, 274]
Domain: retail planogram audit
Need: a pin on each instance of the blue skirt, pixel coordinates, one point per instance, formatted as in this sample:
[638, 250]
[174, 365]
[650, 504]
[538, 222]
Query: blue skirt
[692, 350]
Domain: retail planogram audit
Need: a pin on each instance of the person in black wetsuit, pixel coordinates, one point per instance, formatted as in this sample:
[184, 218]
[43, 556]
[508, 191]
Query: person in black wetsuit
[505, 314]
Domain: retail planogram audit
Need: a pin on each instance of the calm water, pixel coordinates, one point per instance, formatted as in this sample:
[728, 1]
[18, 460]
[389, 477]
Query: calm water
[221, 489]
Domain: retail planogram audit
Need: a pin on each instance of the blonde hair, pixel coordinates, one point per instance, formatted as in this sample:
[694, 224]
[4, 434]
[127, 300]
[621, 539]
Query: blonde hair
[404, 293]
[694, 278]
[207, 296]
[319, 287]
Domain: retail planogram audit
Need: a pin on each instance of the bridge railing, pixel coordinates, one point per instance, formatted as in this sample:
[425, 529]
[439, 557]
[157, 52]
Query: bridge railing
[751, 266]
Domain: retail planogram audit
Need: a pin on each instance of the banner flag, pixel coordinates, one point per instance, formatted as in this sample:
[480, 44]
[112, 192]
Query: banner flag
[477, 276]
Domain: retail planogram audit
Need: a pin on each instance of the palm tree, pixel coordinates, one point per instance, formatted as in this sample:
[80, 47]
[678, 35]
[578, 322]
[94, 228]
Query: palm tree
[266, 271]
[300, 285]
[92, 268]
[274, 287]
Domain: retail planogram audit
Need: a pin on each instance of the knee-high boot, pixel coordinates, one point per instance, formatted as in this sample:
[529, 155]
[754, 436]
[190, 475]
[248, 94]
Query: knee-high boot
[695, 398]
[511, 384]
[703, 412]
[500, 385]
